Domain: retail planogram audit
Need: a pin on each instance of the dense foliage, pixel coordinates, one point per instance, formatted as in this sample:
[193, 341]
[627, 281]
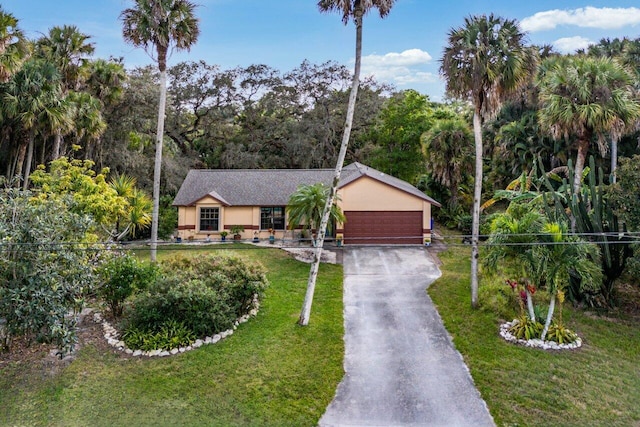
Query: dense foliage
[120, 276]
[194, 297]
[46, 267]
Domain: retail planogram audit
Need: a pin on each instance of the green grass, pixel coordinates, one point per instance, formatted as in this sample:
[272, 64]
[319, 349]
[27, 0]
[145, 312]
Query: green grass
[271, 372]
[596, 385]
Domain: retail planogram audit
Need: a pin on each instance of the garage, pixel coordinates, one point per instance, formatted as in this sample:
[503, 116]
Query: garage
[383, 227]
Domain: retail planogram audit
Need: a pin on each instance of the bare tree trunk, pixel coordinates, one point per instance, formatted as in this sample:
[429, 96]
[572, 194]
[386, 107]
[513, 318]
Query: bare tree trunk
[157, 169]
[477, 195]
[315, 266]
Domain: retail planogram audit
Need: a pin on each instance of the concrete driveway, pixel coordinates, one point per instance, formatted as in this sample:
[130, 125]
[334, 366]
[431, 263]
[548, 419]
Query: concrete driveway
[401, 368]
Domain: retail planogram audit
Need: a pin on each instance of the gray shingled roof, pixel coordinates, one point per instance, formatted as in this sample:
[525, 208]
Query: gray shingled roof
[272, 187]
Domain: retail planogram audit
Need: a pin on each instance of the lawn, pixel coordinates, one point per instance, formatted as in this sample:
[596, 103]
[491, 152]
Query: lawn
[271, 372]
[596, 385]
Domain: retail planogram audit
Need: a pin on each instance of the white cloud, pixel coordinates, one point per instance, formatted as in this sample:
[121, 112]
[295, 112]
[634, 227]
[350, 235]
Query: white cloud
[408, 57]
[399, 68]
[587, 17]
[571, 44]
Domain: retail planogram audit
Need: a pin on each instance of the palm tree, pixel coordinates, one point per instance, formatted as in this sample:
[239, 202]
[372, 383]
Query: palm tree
[355, 9]
[158, 26]
[482, 62]
[14, 48]
[560, 257]
[30, 98]
[513, 235]
[306, 206]
[137, 213]
[89, 123]
[69, 50]
[105, 80]
[587, 98]
[448, 150]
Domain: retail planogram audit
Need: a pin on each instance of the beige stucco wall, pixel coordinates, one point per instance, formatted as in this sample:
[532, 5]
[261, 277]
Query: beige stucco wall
[247, 216]
[366, 194]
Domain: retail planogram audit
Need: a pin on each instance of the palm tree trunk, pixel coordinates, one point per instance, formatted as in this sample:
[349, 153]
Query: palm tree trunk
[581, 157]
[614, 160]
[477, 195]
[27, 170]
[547, 323]
[157, 169]
[315, 266]
[57, 140]
[532, 313]
[22, 151]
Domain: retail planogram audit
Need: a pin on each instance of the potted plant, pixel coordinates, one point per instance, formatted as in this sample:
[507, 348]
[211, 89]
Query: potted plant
[272, 237]
[256, 239]
[223, 235]
[236, 230]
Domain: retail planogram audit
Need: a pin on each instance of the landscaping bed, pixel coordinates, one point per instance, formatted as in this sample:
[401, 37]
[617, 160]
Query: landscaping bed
[598, 384]
[270, 372]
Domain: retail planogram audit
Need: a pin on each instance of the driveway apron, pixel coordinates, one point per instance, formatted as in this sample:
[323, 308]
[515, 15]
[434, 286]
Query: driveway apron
[401, 368]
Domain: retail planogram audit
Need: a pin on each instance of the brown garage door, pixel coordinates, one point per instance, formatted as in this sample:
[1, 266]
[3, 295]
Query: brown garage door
[391, 227]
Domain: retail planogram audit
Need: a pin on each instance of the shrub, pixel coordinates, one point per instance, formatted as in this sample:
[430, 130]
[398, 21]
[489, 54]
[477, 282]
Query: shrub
[202, 309]
[525, 328]
[121, 276]
[205, 295]
[46, 268]
[171, 334]
[559, 333]
[240, 280]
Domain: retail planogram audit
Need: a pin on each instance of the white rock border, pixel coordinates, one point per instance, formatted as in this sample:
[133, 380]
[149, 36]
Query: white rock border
[112, 335]
[536, 343]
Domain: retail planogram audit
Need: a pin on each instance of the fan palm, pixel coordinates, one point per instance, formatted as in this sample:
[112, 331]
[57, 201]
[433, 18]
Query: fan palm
[482, 62]
[106, 80]
[349, 9]
[587, 98]
[448, 148]
[159, 26]
[69, 50]
[14, 48]
[30, 97]
[89, 123]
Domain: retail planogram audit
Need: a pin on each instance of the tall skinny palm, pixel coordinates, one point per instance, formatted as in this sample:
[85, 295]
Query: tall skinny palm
[483, 61]
[585, 98]
[158, 26]
[355, 9]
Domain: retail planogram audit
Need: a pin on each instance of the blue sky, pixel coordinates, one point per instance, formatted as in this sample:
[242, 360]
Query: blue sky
[403, 49]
